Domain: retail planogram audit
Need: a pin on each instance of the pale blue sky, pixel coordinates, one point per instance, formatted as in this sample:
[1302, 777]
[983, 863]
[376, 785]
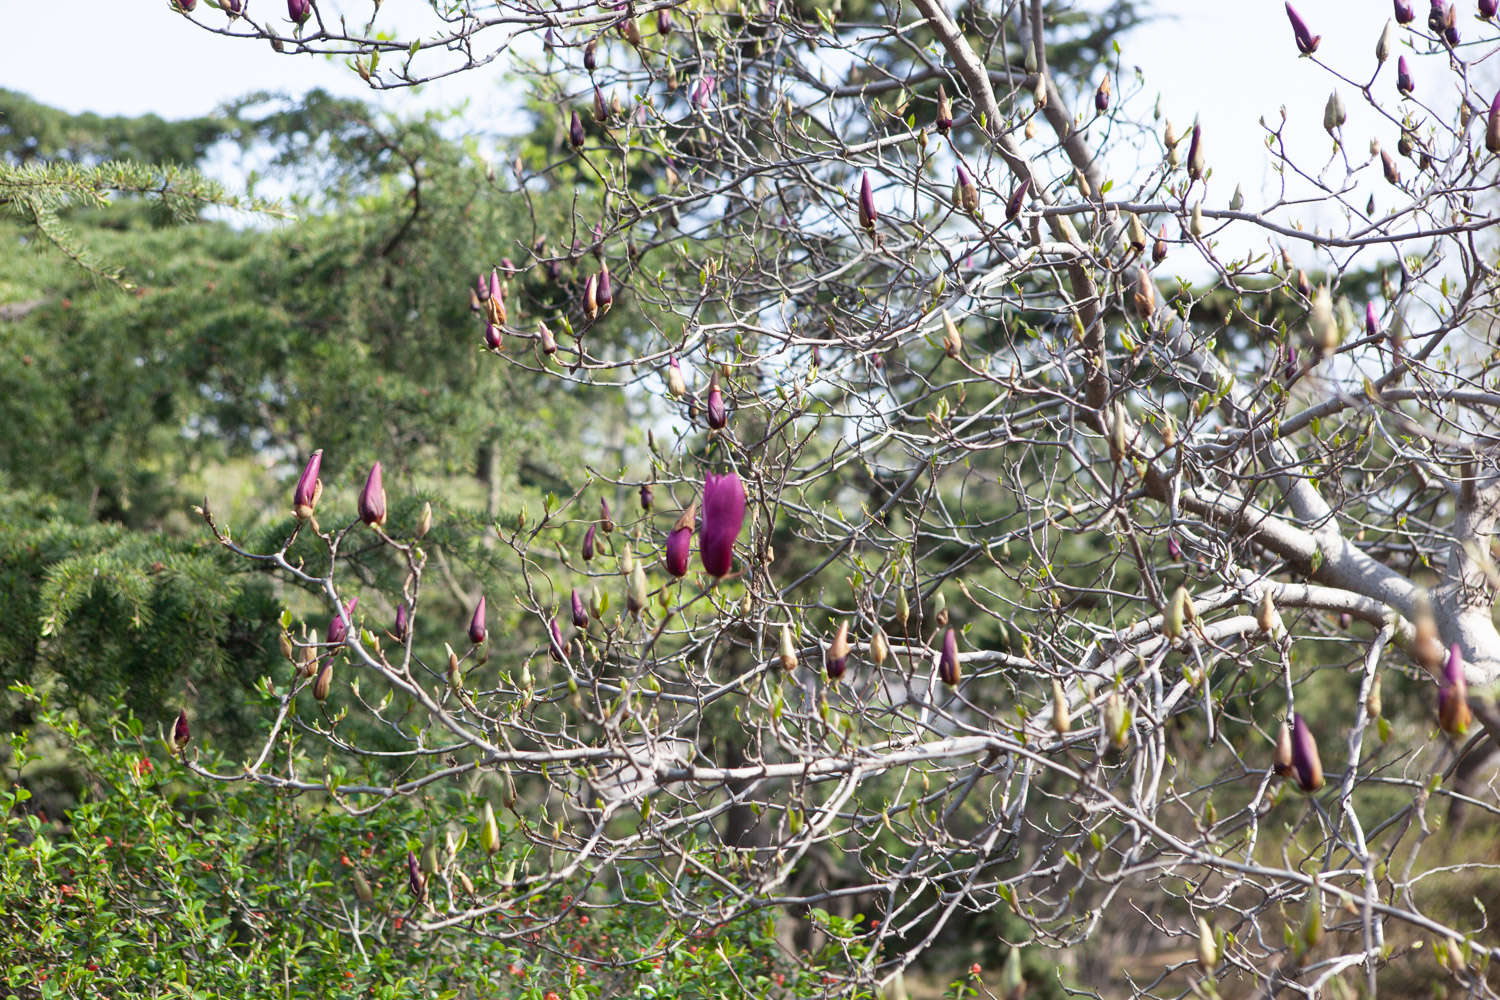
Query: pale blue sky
[1229, 63]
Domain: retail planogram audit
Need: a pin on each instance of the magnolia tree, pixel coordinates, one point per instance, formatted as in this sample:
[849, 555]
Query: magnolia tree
[1018, 519]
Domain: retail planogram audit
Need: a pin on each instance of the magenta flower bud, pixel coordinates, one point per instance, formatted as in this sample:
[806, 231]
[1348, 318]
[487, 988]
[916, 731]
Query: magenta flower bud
[556, 648]
[1437, 17]
[1101, 96]
[180, 732]
[664, 21]
[1487, 9]
[648, 497]
[402, 627]
[944, 119]
[1372, 322]
[477, 625]
[1305, 761]
[605, 521]
[601, 110]
[1017, 199]
[1289, 366]
[1454, 715]
[1404, 11]
[587, 549]
[590, 59]
[186, 6]
[718, 416]
[965, 191]
[415, 880]
[867, 214]
[1403, 77]
[234, 8]
[680, 541]
[723, 517]
[948, 661]
[309, 487]
[549, 342]
[1173, 549]
[575, 131]
[337, 630]
[299, 10]
[372, 499]
[494, 339]
[580, 614]
[604, 292]
[1307, 42]
[507, 267]
[482, 288]
[1195, 151]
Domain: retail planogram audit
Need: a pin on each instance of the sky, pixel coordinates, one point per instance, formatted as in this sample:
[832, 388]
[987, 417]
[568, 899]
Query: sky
[1228, 64]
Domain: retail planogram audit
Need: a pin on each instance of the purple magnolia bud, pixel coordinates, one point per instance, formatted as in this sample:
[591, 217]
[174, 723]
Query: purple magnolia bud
[1403, 77]
[337, 630]
[1307, 42]
[587, 549]
[415, 880]
[718, 416]
[591, 297]
[723, 517]
[309, 487]
[867, 214]
[1437, 17]
[1404, 11]
[836, 660]
[1289, 365]
[948, 661]
[234, 8]
[944, 111]
[965, 191]
[648, 496]
[580, 614]
[680, 541]
[590, 58]
[1305, 762]
[1173, 549]
[1101, 96]
[186, 6]
[1487, 8]
[1159, 248]
[575, 131]
[494, 338]
[477, 625]
[372, 499]
[601, 110]
[549, 40]
[556, 648]
[1372, 322]
[507, 267]
[402, 628]
[495, 304]
[1450, 27]
[664, 21]
[180, 733]
[1195, 163]
[1017, 198]
[482, 288]
[549, 342]
[299, 10]
[605, 521]
[604, 289]
[1454, 715]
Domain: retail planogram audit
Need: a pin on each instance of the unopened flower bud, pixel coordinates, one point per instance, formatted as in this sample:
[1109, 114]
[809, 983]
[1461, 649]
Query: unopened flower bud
[324, 681]
[1159, 249]
[1307, 42]
[401, 628]
[549, 342]
[1404, 82]
[1305, 761]
[944, 120]
[586, 550]
[1101, 96]
[680, 541]
[338, 628]
[604, 290]
[576, 135]
[489, 830]
[1137, 233]
[940, 609]
[1404, 11]
[948, 668]
[309, 487]
[788, 649]
[1454, 715]
[717, 414]
[1062, 721]
[867, 214]
[965, 191]
[648, 497]
[1334, 114]
[1386, 42]
[495, 305]
[1172, 618]
[556, 648]
[1017, 199]
[372, 499]
[478, 627]
[879, 648]
[953, 341]
[1208, 947]
[299, 10]
[1196, 165]
[181, 735]
[836, 660]
[675, 383]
